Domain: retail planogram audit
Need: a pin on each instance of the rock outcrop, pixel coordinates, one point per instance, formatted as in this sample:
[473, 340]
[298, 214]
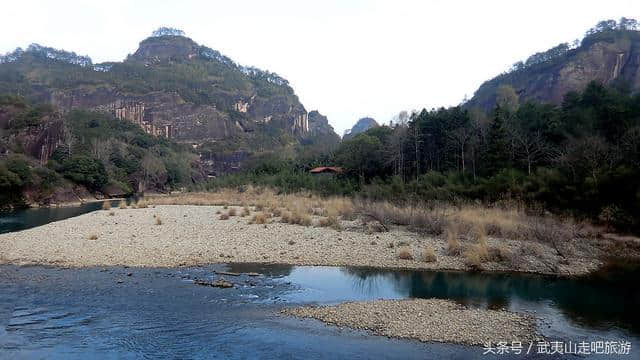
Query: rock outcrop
[611, 58]
[361, 126]
[319, 124]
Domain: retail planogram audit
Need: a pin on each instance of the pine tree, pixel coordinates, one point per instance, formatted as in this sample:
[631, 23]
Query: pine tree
[497, 155]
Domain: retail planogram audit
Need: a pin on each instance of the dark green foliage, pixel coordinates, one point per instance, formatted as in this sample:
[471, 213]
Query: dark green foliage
[10, 188]
[361, 155]
[85, 170]
[497, 154]
[19, 165]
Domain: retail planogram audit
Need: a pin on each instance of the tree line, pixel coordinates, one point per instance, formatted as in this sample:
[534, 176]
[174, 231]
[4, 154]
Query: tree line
[582, 155]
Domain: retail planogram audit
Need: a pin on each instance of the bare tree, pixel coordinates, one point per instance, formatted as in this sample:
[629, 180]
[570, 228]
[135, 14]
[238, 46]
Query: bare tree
[460, 137]
[589, 155]
[531, 147]
[396, 150]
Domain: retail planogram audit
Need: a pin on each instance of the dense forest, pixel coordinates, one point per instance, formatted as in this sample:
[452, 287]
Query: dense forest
[582, 156]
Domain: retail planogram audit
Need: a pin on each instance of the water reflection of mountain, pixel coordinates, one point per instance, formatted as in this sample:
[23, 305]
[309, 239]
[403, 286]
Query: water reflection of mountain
[594, 301]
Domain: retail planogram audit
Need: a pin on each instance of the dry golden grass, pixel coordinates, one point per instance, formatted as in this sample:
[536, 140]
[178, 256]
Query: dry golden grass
[498, 222]
[285, 217]
[453, 245]
[305, 220]
[224, 216]
[232, 212]
[93, 237]
[338, 206]
[500, 253]
[259, 218]
[427, 218]
[296, 217]
[111, 213]
[476, 254]
[405, 254]
[142, 204]
[123, 204]
[245, 211]
[261, 199]
[106, 205]
[428, 255]
[417, 218]
[328, 221]
[158, 221]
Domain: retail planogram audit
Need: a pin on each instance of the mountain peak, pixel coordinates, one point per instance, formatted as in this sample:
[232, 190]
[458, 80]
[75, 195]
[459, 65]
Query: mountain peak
[361, 126]
[167, 31]
[166, 44]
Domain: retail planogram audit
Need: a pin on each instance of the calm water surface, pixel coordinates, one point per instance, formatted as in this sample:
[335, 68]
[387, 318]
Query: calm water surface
[28, 218]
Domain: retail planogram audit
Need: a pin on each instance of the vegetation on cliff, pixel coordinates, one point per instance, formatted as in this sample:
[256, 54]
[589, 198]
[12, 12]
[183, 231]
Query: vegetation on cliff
[608, 53]
[92, 149]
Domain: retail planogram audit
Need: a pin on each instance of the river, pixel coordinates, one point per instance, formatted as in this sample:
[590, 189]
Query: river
[120, 313]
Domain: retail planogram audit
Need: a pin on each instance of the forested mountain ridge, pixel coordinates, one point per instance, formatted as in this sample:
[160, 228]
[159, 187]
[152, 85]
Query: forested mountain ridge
[609, 54]
[171, 87]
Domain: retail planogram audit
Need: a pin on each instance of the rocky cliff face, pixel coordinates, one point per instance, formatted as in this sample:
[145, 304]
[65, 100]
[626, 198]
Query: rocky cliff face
[611, 58]
[37, 140]
[361, 126]
[171, 87]
[319, 125]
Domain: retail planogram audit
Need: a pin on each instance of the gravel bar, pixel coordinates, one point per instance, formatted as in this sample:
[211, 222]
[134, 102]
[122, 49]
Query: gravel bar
[427, 320]
[194, 235]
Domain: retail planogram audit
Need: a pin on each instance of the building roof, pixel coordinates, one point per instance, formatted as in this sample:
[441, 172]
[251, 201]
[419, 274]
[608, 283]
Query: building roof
[326, 169]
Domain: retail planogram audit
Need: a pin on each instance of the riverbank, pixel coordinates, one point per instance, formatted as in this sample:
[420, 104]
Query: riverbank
[427, 320]
[176, 235]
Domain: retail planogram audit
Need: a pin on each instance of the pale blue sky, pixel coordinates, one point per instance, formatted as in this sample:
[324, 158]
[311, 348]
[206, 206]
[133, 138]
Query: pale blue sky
[348, 59]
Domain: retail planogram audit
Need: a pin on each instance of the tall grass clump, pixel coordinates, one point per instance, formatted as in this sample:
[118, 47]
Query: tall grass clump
[122, 204]
[428, 254]
[453, 244]
[404, 253]
[106, 205]
[259, 218]
[245, 211]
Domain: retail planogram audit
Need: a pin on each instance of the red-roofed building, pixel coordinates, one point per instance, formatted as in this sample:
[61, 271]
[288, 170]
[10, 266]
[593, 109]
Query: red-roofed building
[326, 170]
